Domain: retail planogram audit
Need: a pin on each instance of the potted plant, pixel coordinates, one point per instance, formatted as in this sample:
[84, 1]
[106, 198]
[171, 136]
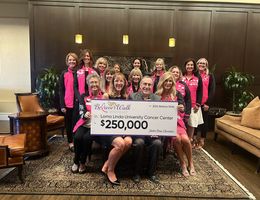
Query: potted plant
[238, 83]
[47, 87]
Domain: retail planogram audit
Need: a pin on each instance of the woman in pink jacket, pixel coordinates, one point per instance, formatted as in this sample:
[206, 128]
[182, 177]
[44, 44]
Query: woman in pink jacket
[193, 80]
[208, 82]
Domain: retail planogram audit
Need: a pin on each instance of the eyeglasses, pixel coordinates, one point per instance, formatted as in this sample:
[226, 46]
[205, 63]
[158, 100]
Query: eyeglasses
[202, 63]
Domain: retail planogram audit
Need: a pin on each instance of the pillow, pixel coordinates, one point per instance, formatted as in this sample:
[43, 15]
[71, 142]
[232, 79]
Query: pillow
[251, 117]
[254, 102]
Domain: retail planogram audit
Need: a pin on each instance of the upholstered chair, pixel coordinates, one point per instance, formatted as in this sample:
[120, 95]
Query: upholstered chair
[29, 102]
[12, 150]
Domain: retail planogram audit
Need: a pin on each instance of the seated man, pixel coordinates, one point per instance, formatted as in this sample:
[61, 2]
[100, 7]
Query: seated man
[153, 142]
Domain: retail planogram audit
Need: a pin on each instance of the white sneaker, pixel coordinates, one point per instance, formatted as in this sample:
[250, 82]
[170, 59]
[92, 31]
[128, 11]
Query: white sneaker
[75, 168]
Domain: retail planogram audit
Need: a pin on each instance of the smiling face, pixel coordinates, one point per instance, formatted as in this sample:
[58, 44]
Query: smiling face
[119, 83]
[136, 78]
[117, 68]
[102, 66]
[109, 76]
[189, 67]
[94, 84]
[146, 86]
[71, 62]
[176, 73]
[137, 63]
[86, 59]
[159, 66]
[202, 64]
[167, 84]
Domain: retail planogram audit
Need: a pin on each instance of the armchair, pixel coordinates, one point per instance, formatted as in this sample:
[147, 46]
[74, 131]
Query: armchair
[12, 150]
[29, 102]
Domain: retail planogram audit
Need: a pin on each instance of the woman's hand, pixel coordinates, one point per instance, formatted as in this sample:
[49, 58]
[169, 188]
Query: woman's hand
[196, 108]
[63, 110]
[205, 107]
[180, 107]
[87, 115]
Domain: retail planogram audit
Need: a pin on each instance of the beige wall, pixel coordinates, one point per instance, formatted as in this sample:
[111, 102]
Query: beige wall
[14, 55]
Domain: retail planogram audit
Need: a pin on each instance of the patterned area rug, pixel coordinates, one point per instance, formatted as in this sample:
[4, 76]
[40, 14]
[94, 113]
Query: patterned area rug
[52, 175]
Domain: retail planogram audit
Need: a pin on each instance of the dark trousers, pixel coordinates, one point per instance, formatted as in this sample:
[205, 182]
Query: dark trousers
[154, 146]
[82, 145]
[69, 123]
[203, 128]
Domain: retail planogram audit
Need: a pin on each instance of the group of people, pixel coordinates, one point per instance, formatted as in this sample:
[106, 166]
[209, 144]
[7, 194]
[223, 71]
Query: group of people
[84, 80]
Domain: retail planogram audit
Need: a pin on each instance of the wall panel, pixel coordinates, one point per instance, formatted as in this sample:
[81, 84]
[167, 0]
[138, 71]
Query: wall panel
[149, 31]
[103, 29]
[193, 30]
[229, 41]
[253, 45]
[54, 38]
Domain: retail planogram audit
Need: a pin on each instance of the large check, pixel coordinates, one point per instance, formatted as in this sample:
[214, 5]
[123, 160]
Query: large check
[112, 117]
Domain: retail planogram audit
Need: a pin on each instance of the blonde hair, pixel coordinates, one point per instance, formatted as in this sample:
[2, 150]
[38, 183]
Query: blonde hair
[135, 71]
[160, 89]
[176, 67]
[112, 90]
[74, 56]
[207, 64]
[160, 61]
[101, 60]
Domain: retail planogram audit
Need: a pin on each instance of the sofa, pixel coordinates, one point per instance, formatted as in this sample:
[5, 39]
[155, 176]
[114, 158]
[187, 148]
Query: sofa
[242, 130]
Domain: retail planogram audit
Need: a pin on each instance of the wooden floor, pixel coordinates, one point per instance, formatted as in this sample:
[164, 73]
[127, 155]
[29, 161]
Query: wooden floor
[241, 165]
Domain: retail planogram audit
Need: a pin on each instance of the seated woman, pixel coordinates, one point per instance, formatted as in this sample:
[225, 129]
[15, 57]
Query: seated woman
[82, 138]
[134, 79]
[120, 144]
[167, 91]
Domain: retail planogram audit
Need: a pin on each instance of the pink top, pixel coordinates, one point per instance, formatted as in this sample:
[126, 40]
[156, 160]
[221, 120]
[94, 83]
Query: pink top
[192, 84]
[205, 85]
[69, 89]
[87, 101]
[130, 89]
[81, 78]
[180, 116]
[181, 88]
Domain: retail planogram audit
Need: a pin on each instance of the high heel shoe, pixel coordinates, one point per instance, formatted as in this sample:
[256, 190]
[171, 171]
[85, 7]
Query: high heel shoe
[116, 182]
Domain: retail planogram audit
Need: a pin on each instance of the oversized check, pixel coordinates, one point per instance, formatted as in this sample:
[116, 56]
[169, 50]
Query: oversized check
[112, 117]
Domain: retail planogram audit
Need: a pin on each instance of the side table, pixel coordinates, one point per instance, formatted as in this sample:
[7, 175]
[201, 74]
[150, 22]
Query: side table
[34, 125]
[215, 112]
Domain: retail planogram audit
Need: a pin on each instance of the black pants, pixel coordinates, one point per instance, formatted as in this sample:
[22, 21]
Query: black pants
[69, 123]
[82, 145]
[154, 146]
[203, 128]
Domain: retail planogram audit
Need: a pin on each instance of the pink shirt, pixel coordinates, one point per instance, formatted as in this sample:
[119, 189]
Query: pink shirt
[69, 89]
[81, 78]
[181, 88]
[205, 85]
[87, 101]
[180, 122]
[192, 84]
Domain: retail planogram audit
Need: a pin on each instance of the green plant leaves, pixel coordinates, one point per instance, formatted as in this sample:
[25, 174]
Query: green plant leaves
[47, 87]
[238, 83]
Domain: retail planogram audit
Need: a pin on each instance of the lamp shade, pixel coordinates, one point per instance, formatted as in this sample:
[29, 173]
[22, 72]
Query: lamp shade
[171, 42]
[78, 38]
[125, 39]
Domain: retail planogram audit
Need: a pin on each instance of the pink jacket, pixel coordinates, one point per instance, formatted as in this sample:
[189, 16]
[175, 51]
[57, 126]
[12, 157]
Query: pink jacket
[82, 79]
[87, 101]
[205, 85]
